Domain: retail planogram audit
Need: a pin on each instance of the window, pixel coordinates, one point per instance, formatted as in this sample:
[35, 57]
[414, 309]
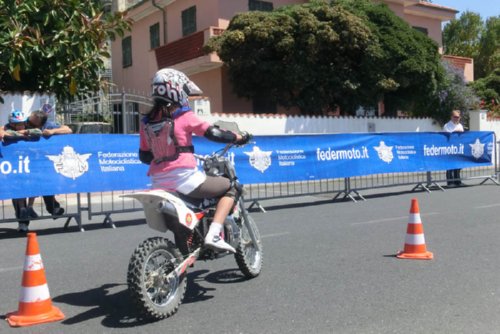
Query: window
[154, 36]
[264, 6]
[189, 21]
[422, 30]
[127, 51]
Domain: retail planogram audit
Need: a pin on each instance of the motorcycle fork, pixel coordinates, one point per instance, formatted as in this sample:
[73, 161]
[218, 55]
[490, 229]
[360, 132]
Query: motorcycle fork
[244, 214]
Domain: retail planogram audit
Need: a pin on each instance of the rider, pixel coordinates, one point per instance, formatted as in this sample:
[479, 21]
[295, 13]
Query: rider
[166, 145]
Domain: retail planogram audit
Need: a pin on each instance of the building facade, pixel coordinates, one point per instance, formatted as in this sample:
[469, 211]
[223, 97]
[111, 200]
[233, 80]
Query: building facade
[171, 33]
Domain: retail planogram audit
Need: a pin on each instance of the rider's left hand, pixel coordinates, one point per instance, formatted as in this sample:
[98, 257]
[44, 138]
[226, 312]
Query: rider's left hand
[243, 138]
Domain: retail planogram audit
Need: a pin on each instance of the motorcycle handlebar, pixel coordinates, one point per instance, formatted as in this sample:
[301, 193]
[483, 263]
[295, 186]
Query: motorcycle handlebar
[246, 138]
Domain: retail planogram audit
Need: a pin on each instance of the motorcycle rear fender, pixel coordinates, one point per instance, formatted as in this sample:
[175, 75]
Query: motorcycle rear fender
[154, 200]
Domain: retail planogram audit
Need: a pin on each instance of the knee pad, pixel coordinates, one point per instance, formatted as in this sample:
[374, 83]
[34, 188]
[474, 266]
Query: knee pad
[235, 191]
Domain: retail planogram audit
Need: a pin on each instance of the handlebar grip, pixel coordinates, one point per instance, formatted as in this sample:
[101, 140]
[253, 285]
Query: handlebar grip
[246, 137]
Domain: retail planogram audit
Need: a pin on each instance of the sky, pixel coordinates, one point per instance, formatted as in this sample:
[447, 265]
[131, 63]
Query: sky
[485, 8]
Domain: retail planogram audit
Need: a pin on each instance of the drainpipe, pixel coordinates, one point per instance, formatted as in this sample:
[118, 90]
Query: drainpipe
[164, 21]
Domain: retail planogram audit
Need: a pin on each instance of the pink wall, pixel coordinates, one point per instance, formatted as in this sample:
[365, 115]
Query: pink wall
[138, 76]
[433, 26]
[398, 9]
[210, 84]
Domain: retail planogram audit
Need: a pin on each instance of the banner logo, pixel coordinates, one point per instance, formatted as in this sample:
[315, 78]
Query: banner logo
[384, 152]
[477, 149]
[260, 160]
[69, 163]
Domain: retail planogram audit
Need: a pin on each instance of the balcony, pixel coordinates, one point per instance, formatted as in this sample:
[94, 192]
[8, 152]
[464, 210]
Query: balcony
[186, 54]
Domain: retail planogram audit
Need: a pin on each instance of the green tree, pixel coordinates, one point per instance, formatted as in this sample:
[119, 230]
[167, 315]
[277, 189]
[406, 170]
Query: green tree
[461, 36]
[488, 90]
[453, 94]
[320, 55]
[469, 36]
[488, 58]
[55, 45]
[302, 56]
[405, 69]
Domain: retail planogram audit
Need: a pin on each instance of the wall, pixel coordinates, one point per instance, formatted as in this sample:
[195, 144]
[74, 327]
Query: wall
[138, 76]
[281, 124]
[209, 83]
[479, 121]
[433, 26]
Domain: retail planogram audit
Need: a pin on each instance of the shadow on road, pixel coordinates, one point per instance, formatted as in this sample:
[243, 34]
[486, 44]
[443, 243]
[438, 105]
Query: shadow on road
[322, 199]
[117, 310]
[114, 307]
[38, 228]
[196, 292]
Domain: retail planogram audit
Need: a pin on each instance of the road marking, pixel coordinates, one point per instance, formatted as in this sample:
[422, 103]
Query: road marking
[274, 235]
[391, 219]
[4, 270]
[487, 206]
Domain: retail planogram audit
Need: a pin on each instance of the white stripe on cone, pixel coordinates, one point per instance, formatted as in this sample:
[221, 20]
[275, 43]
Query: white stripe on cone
[33, 262]
[415, 239]
[415, 218]
[34, 294]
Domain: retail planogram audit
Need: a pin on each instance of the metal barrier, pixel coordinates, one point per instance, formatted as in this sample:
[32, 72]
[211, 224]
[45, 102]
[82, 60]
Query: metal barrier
[108, 203]
[70, 203]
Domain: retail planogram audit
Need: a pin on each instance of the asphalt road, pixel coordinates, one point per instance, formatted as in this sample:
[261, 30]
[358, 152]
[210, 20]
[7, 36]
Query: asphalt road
[328, 268]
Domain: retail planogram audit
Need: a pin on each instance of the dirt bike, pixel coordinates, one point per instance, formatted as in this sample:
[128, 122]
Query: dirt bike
[157, 269]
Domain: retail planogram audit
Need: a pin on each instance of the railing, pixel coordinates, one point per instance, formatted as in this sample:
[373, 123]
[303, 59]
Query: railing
[109, 203]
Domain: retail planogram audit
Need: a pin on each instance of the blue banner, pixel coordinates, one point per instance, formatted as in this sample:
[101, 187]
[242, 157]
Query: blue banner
[64, 164]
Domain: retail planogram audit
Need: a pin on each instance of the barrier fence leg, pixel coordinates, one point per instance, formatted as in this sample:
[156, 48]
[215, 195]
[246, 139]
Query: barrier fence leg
[347, 191]
[108, 221]
[261, 208]
[429, 183]
[491, 178]
[78, 215]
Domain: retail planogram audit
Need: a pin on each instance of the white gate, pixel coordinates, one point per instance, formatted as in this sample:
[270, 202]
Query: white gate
[119, 108]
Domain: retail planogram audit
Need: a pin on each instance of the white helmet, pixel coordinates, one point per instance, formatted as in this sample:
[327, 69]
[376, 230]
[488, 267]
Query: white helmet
[174, 87]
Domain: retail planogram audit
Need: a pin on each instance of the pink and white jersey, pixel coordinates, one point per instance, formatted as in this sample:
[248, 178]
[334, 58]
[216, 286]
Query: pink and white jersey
[185, 125]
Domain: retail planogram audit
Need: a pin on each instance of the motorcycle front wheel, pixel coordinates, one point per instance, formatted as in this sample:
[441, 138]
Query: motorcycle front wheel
[248, 255]
[155, 292]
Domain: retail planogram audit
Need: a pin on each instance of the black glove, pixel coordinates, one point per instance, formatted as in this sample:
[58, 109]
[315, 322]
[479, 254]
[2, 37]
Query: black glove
[245, 138]
[146, 156]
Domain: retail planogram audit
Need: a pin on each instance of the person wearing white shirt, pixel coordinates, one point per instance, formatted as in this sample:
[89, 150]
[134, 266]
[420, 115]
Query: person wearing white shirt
[454, 125]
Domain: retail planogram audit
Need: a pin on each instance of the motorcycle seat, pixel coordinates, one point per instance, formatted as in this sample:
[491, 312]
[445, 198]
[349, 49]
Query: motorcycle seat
[197, 204]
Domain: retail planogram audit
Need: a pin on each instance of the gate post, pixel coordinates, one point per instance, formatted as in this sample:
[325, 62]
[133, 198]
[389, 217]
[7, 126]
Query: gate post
[124, 113]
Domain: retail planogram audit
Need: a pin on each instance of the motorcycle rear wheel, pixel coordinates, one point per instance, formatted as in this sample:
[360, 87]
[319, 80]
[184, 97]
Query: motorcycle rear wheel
[248, 257]
[156, 295]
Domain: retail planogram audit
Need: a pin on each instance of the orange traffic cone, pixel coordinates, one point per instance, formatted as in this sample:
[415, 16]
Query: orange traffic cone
[415, 241]
[35, 305]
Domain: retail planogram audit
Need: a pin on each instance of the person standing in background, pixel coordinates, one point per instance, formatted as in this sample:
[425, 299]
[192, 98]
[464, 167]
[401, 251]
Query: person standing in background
[39, 120]
[14, 130]
[454, 125]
